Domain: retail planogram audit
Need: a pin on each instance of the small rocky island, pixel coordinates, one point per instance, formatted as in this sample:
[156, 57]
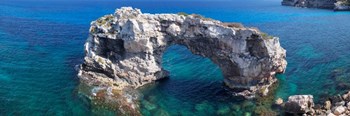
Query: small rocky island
[124, 51]
[338, 5]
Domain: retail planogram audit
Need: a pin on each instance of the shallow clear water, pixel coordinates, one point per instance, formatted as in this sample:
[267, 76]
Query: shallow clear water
[42, 41]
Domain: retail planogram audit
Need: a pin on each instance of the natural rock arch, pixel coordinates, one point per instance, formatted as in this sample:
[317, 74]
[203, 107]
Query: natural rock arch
[125, 50]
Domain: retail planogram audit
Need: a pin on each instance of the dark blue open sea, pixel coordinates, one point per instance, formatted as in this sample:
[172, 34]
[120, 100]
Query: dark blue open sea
[42, 41]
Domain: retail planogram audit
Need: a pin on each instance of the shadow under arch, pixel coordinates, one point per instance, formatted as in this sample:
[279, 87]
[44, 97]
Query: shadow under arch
[195, 85]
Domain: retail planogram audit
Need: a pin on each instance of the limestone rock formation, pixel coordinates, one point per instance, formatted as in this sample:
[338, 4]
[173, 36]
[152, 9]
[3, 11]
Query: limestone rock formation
[279, 101]
[338, 105]
[342, 5]
[299, 104]
[125, 49]
[326, 4]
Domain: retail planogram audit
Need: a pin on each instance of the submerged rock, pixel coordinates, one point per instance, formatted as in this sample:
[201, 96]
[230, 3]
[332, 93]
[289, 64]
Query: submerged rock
[223, 110]
[248, 105]
[148, 105]
[161, 112]
[264, 111]
[247, 114]
[204, 107]
[125, 49]
[103, 99]
[279, 101]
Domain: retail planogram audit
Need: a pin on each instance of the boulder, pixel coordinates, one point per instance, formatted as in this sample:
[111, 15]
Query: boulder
[299, 104]
[342, 103]
[327, 105]
[223, 110]
[331, 114]
[346, 96]
[339, 110]
[279, 101]
[335, 100]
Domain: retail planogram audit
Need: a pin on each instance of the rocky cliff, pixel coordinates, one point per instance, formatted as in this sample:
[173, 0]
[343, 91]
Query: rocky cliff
[125, 49]
[327, 4]
[342, 5]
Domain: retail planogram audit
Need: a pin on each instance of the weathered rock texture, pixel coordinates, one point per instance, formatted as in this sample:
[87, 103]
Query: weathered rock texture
[338, 105]
[342, 5]
[125, 49]
[299, 104]
[327, 4]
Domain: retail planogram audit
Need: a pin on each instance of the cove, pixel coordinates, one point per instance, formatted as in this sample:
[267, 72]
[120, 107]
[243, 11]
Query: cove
[37, 64]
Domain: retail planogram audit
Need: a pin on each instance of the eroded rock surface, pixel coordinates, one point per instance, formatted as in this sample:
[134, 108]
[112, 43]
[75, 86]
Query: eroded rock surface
[299, 104]
[338, 105]
[342, 5]
[125, 49]
[327, 4]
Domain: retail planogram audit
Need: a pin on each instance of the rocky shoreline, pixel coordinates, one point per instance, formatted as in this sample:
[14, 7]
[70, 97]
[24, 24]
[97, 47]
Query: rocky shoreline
[336, 5]
[338, 105]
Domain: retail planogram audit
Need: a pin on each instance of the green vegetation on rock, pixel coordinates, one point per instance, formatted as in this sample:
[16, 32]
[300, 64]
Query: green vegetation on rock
[183, 14]
[266, 36]
[194, 15]
[104, 20]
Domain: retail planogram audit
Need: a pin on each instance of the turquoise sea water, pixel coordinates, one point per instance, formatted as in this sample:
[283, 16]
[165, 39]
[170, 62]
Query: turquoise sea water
[42, 41]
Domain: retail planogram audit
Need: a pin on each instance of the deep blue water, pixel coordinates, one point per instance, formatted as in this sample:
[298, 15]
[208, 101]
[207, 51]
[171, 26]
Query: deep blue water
[42, 41]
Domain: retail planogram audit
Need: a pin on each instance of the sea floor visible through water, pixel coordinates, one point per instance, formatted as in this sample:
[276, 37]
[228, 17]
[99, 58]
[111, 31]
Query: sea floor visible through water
[42, 41]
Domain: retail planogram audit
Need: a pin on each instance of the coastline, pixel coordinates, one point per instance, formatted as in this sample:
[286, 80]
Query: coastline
[41, 42]
[321, 4]
[338, 105]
